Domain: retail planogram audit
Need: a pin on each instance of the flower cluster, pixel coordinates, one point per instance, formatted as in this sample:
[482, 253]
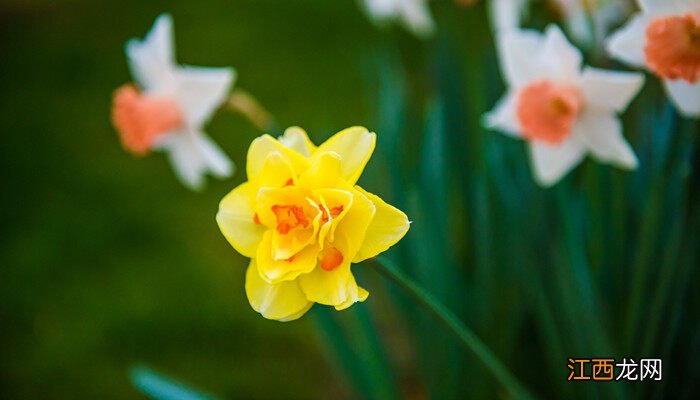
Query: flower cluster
[301, 218]
[565, 111]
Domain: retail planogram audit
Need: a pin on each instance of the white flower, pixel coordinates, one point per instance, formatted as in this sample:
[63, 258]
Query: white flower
[413, 14]
[562, 110]
[170, 106]
[665, 38]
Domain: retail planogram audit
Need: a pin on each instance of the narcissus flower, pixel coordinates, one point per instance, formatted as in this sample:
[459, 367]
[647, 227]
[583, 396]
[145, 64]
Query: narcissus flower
[168, 108]
[665, 38]
[562, 110]
[303, 221]
[413, 14]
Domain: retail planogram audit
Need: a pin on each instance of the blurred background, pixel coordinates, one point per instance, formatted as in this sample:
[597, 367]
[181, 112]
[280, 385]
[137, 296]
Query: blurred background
[106, 260]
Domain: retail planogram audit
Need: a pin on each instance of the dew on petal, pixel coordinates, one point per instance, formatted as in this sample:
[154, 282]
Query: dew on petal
[141, 119]
[673, 47]
[547, 111]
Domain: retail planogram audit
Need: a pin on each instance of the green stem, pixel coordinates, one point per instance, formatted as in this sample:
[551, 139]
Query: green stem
[453, 324]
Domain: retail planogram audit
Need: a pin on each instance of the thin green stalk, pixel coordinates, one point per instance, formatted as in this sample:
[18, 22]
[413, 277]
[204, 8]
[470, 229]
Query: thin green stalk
[651, 226]
[453, 324]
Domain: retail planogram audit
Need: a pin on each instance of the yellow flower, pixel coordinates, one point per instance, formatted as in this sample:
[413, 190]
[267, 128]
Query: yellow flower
[302, 221]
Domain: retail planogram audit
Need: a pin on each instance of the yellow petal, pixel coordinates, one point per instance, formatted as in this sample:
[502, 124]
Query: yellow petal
[282, 301]
[337, 287]
[276, 171]
[328, 287]
[336, 204]
[350, 233]
[236, 220]
[355, 146]
[325, 171]
[388, 226]
[297, 315]
[275, 271]
[261, 148]
[355, 294]
[296, 139]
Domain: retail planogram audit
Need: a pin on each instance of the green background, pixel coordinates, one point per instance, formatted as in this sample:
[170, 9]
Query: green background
[105, 259]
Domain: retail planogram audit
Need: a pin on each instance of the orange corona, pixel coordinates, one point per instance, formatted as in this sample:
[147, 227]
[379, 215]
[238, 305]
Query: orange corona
[141, 119]
[673, 47]
[289, 217]
[547, 111]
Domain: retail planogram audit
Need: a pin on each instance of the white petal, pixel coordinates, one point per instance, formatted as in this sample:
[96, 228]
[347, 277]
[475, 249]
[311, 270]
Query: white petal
[152, 59]
[551, 163]
[602, 132]
[380, 9]
[686, 96]
[610, 90]
[561, 60]
[658, 8]
[516, 51]
[627, 44]
[185, 158]
[503, 117]
[416, 17]
[212, 156]
[201, 90]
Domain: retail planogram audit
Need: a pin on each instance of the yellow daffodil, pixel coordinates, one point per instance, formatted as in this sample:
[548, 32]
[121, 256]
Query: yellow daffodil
[303, 221]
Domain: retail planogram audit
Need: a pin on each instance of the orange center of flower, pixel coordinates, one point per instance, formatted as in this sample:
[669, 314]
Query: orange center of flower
[547, 111]
[330, 258]
[673, 47]
[289, 217]
[334, 212]
[141, 119]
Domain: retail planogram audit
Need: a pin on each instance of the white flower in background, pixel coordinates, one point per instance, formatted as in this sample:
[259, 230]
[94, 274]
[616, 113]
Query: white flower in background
[665, 38]
[413, 14]
[170, 106]
[562, 110]
[507, 14]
